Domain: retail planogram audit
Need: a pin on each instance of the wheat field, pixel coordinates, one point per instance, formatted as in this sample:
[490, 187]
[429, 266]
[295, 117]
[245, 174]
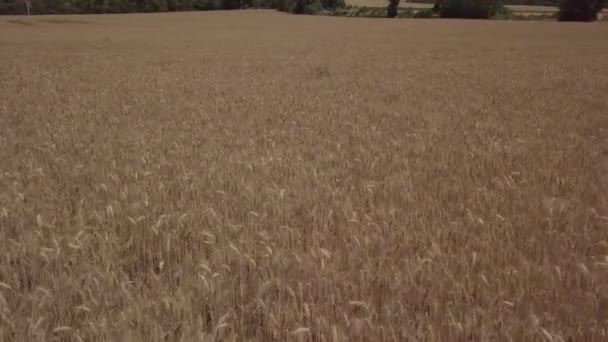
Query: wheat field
[258, 176]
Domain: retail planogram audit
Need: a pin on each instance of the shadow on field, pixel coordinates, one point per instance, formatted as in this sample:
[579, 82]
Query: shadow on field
[59, 21]
[64, 21]
[20, 22]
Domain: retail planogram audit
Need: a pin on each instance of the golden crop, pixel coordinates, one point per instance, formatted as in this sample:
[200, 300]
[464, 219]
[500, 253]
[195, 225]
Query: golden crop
[258, 176]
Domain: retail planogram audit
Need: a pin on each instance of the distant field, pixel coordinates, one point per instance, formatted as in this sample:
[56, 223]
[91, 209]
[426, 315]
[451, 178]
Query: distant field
[258, 176]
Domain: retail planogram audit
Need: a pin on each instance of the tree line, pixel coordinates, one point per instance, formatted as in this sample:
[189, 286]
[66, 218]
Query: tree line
[131, 6]
[126, 6]
[553, 3]
[570, 10]
[134, 6]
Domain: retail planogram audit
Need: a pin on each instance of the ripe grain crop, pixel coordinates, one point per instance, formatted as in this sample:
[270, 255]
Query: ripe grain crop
[258, 176]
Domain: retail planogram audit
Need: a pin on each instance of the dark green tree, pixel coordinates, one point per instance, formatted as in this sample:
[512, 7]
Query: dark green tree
[579, 10]
[300, 7]
[469, 9]
[393, 8]
[12, 7]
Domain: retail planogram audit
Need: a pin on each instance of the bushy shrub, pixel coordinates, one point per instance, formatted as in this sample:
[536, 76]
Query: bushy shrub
[282, 5]
[151, 5]
[231, 4]
[202, 5]
[579, 10]
[300, 6]
[313, 8]
[407, 13]
[332, 4]
[425, 13]
[470, 9]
